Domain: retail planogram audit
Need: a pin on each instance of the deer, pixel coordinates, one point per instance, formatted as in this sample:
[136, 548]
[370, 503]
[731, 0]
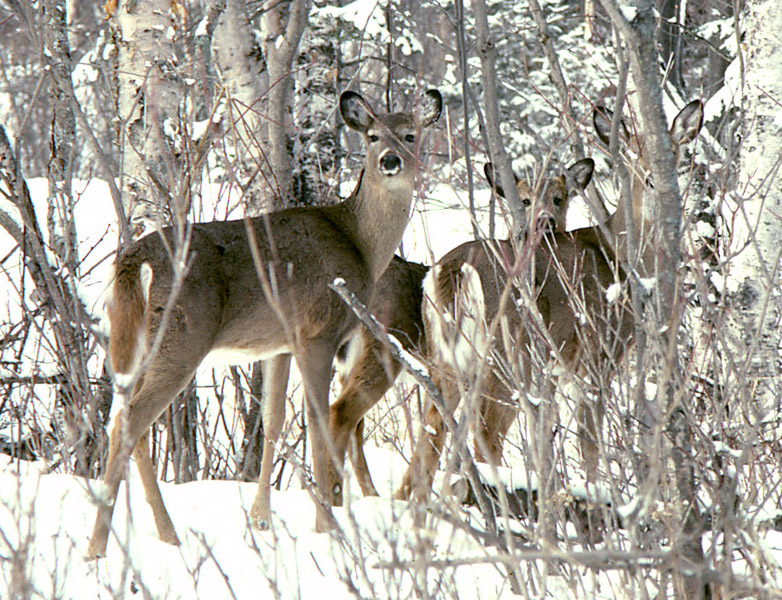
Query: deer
[397, 302]
[684, 129]
[588, 331]
[256, 289]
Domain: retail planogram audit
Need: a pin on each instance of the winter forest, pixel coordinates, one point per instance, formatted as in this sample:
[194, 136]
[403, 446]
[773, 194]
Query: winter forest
[217, 380]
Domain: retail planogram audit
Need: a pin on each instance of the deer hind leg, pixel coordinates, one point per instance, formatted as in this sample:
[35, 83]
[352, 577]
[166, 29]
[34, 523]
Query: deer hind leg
[275, 384]
[495, 418]
[165, 528]
[368, 380]
[153, 393]
[420, 472]
[589, 420]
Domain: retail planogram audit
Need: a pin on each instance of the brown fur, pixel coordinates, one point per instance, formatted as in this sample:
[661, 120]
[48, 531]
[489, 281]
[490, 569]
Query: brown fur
[126, 317]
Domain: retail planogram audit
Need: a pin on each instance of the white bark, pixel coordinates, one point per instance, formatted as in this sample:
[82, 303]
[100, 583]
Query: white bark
[239, 60]
[752, 290]
[257, 83]
[148, 107]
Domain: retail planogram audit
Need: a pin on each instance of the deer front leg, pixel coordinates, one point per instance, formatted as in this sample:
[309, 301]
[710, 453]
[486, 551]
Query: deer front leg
[314, 361]
[367, 382]
[275, 384]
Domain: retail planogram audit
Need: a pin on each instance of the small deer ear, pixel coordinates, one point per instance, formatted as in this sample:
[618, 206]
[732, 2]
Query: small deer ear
[491, 177]
[581, 172]
[687, 123]
[355, 111]
[603, 118]
[431, 107]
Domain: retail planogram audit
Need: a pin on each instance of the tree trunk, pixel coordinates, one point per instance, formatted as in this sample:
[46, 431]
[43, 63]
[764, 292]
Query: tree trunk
[752, 332]
[148, 104]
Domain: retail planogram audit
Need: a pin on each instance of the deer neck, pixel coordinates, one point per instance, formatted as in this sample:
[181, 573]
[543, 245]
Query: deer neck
[375, 217]
[641, 222]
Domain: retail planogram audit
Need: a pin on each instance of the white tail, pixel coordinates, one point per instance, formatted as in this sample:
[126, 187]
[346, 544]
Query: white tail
[257, 288]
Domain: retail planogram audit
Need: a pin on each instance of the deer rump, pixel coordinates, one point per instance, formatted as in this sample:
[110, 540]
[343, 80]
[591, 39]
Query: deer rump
[481, 333]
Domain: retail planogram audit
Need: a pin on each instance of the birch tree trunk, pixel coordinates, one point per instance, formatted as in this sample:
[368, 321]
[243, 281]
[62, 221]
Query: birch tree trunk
[149, 108]
[258, 86]
[752, 332]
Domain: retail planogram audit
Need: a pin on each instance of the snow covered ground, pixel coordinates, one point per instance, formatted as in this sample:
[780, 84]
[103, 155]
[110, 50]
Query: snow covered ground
[382, 549]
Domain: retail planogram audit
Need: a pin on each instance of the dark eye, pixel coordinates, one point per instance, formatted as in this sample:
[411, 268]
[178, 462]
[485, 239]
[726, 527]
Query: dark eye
[373, 138]
[558, 201]
[410, 138]
[649, 182]
[526, 202]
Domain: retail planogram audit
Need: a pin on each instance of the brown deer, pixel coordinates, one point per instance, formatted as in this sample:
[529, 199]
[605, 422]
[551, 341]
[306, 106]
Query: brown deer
[586, 329]
[478, 327]
[256, 288]
[683, 130]
[397, 302]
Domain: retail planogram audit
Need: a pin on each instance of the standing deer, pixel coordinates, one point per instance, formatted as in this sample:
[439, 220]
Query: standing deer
[256, 289]
[476, 326]
[397, 302]
[587, 331]
[683, 130]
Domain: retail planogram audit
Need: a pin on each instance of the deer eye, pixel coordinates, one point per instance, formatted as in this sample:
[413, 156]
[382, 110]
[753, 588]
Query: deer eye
[410, 138]
[558, 201]
[526, 202]
[373, 138]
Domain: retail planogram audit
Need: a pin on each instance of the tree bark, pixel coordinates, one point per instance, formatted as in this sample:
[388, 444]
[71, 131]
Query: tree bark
[752, 332]
[148, 104]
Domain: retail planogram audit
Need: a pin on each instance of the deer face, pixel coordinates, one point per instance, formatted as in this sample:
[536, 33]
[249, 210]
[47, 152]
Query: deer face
[684, 129]
[546, 201]
[392, 140]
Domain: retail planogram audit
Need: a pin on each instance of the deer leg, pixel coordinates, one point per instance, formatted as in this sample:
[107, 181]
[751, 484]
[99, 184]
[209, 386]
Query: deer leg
[153, 393]
[165, 528]
[420, 472]
[368, 380]
[314, 361]
[275, 384]
[495, 419]
[119, 454]
[360, 465]
[589, 419]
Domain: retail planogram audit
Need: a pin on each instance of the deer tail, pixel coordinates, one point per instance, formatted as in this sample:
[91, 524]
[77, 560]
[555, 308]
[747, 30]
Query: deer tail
[127, 311]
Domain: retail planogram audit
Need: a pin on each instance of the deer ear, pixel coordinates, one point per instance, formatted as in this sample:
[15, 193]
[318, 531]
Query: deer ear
[581, 172]
[603, 119]
[491, 177]
[431, 107]
[687, 123]
[355, 111]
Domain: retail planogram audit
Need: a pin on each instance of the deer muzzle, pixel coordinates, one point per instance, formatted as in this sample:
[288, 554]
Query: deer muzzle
[390, 164]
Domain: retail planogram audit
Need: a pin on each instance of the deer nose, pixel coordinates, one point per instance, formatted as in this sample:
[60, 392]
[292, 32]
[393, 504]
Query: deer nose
[390, 164]
[547, 224]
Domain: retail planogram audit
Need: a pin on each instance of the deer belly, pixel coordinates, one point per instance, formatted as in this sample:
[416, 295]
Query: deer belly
[227, 355]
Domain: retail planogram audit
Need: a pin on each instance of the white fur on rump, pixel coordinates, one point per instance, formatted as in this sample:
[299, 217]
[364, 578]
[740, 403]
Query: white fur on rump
[457, 334]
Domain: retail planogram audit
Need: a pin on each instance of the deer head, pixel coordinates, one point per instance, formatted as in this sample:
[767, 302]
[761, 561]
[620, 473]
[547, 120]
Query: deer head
[684, 129]
[546, 200]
